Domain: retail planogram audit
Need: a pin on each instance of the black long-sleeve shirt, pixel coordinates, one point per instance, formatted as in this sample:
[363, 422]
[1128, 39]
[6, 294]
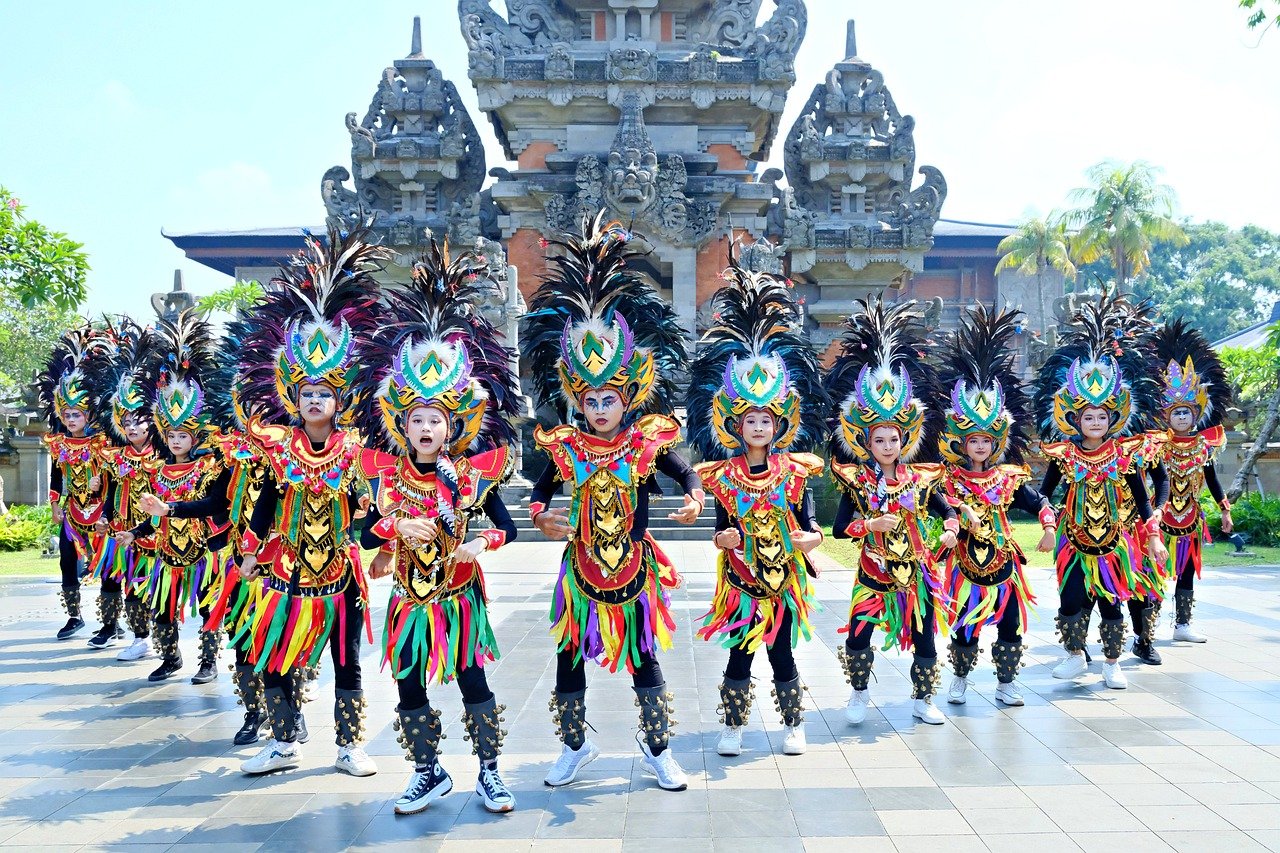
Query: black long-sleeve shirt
[493, 507]
[671, 464]
[1137, 488]
[846, 512]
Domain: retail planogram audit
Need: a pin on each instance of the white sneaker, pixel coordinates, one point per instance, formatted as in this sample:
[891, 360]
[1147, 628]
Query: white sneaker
[310, 689]
[354, 760]
[794, 743]
[730, 742]
[1114, 676]
[925, 711]
[274, 756]
[1073, 666]
[139, 649]
[1187, 634]
[671, 777]
[856, 711]
[566, 768]
[1009, 695]
[955, 693]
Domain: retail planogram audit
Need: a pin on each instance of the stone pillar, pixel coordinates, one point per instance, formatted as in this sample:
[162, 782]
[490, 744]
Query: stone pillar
[684, 287]
[515, 307]
[32, 486]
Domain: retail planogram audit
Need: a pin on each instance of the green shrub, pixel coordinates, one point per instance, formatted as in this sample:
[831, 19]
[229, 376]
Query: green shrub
[1254, 516]
[26, 527]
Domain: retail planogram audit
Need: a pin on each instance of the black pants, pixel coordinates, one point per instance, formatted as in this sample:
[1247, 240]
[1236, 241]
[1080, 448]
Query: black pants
[68, 559]
[344, 651]
[922, 639]
[1006, 628]
[1187, 580]
[780, 657]
[571, 676]
[471, 682]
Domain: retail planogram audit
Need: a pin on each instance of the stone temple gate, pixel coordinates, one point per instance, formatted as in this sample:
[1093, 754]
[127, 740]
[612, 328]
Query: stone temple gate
[661, 111]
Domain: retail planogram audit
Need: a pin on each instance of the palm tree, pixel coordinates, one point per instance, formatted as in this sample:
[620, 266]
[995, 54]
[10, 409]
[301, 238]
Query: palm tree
[1122, 214]
[1037, 246]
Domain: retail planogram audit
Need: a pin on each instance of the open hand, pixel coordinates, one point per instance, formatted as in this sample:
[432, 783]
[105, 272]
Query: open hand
[420, 529]
[152, 505]
[948, 539]
[553, 523]
[58, 514]
[1045, 545]
[1156, 545]
[882, 523]
[688, 513]
[1227, 524]
[729, 540]
[124, 539]
[471, 551]
[806, 540]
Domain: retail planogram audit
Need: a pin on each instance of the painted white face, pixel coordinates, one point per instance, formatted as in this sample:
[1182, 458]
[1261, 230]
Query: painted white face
[1182, 420]
[758, 429]
[317, 403]
[886, 446]
[979, 448]
[75, 420]
[179, 442]
[1094, 423]
[135, 431]
[603, 411]
[427, 428]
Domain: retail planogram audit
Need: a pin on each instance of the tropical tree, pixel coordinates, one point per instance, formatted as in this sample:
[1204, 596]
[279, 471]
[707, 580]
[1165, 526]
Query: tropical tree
[1039, 245]
[231, 299]
[1262, 13]
[1270, 422]
[38, 266]
[1121, 216]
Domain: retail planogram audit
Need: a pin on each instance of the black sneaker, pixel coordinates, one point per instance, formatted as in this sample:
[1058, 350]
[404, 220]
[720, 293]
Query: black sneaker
[168, 668]
[248, 733]
[69, 630]
[1146, 653]
[300, 725]
[425, 787]
[494, 793]
[206, 673]
[105, 638]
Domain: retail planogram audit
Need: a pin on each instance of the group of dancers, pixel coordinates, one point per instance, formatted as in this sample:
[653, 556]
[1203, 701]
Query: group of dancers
[236, 478]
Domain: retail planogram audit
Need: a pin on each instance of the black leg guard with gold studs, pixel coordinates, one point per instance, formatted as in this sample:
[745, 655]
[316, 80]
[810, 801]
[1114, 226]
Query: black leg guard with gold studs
[656, 716]
[348, 716]
[1148, 619]
[963, 658]
[569, 713]
[210, 643]
[788, 698]
[483, 722]
[857, 666]
[70, 596]
[284, 719]
[297, 681]
[165, 639]
[1113, 633]
[1008, 660]
[419, 732]
[138, 615]
[248, 688]
[1184, 601]
[736, 698]
[925, 673]
[110, 606]
[1073, 630]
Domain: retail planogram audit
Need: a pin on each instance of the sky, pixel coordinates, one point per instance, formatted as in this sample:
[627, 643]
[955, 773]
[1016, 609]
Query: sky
[121, 120]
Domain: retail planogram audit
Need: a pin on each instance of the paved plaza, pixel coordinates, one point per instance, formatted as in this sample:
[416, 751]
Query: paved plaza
[1188, 758]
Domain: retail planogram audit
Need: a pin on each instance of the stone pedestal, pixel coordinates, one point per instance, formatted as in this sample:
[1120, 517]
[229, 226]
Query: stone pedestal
[31, 486]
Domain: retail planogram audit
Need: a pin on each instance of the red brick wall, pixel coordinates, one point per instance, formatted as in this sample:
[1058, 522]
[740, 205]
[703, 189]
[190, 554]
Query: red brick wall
[525, 252]
[535, 156]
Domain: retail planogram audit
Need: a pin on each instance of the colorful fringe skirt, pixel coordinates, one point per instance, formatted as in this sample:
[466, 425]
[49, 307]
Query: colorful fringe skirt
[1186, 550]
[1111, 576]
[977, 605]
[171, 590]
[895, 608]
[615, 635]
[130, 566]
[435, 641]
[743, 621]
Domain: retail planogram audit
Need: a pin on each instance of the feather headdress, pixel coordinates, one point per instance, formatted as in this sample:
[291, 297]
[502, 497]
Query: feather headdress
[1191, 373]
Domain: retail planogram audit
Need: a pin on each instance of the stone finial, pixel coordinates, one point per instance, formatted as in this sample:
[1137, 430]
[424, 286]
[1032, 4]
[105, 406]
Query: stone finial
[850, 41]
[415, 46]
[177, 281]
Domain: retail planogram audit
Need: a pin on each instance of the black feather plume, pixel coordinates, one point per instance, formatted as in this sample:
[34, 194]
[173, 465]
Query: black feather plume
[1176, 341]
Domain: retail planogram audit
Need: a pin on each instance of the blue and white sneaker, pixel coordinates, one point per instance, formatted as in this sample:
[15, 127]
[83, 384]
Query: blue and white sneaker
[424, 788]
[494, 793]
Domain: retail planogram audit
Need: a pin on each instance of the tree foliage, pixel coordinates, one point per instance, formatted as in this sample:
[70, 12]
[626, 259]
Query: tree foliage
[1222, 279]
[38, 266]
[26, 337]
[1037, 246]
[232, 299]
[1262, 13]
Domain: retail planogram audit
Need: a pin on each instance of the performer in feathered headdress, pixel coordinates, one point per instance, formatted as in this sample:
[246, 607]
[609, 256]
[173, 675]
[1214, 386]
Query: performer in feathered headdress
[1091, 396]
[1196, 395]
[437, 390]
[184, 402]
[605, 347]
[323, 306]
[982, 445]
[128, 461]
[879, 382]
[75, 481]
[755, 403]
